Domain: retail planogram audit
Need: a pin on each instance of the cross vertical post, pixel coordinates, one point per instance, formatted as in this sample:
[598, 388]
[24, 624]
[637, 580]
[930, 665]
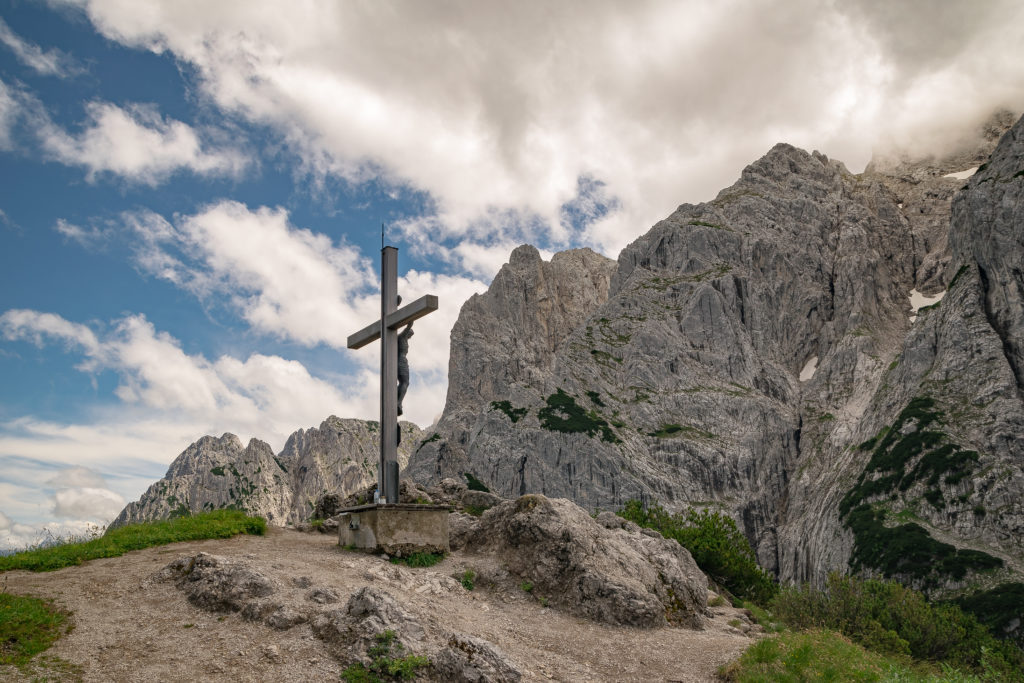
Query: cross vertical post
[388, 376]
[386, 329]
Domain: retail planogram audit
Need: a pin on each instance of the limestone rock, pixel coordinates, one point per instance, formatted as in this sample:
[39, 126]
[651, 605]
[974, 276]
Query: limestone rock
[746, 347]
[467, 659]
[216, 584]
[613, 576]
[335, 459]
[350, 632]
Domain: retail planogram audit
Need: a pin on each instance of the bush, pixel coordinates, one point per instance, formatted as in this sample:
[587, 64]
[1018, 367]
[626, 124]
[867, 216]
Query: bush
[717, 546]
[887, 617]
[116, 542]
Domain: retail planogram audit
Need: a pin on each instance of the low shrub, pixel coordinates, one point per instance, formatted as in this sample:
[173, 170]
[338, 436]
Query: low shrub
[717, 545]
[889, 618]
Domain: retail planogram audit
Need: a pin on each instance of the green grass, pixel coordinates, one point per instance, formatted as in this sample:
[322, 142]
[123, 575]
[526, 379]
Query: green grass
[817, 655]
[28, 626]
[419, 560]
[116, 542]
[468, 579]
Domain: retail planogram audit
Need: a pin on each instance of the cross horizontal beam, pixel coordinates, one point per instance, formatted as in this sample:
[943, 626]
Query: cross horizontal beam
[403, 316]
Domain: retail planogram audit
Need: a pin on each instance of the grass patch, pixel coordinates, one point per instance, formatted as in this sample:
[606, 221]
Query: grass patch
[527, 586]
[116, 542]
[563, 414]
[419, 560]
[717, 546]
[28, 626]
[817, 655]
[387, 662]
[596, 398]
[468, 579]
[514, 414]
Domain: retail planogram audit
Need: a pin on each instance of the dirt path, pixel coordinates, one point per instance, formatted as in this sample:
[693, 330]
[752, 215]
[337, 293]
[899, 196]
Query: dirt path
[127, 628]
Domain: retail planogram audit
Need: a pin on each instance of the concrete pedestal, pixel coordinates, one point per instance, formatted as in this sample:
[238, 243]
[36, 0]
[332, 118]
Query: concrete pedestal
[398, 530]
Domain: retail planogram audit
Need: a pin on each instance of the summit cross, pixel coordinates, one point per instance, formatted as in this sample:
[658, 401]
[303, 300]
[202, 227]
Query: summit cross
[386, 329]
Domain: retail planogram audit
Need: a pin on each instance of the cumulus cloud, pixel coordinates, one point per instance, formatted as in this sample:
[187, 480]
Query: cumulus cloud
[138, 144]
[263, 396]
[77, 477]
[500, 110]
[290, 282]
[87, 503]
[46, 62]
[15, 536]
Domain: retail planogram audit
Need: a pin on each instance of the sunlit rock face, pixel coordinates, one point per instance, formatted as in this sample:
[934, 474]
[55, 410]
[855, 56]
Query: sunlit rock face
[743, 354]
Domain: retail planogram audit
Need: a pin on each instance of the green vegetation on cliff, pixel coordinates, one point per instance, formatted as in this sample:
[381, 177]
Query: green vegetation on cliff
[563, 414]
[911, 452]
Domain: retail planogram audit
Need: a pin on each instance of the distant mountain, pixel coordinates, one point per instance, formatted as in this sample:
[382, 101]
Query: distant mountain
[214, 473]
[759, 354]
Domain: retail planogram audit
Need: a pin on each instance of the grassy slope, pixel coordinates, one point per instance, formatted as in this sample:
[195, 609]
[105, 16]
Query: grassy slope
[217, 524]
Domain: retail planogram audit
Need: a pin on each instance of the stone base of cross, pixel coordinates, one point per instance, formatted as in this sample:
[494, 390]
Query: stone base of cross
[386, 329]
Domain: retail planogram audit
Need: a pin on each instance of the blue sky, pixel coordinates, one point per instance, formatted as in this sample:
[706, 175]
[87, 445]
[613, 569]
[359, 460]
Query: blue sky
[191, 193]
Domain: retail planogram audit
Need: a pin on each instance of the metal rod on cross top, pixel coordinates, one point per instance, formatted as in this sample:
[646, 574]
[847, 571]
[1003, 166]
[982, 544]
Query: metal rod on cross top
[386, 329]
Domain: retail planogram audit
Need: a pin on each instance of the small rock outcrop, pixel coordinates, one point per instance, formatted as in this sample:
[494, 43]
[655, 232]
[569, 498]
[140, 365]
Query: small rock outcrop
[218, 584]
[616, 576]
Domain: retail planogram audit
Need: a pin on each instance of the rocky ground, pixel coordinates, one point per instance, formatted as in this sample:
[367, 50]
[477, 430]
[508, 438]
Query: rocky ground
[133, 622]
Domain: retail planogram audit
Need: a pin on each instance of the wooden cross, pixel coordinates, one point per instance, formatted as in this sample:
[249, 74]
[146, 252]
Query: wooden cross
[386, 329]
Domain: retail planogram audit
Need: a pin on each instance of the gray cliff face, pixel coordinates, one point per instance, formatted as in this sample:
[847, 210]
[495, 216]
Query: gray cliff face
[750, 354]
[508, 337]
[338, 457]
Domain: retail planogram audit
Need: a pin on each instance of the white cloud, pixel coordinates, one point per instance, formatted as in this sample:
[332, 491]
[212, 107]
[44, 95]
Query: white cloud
[86, 237]
[499, 110]
[15, 536]
[289, 282]
[46, 62]
[137, 144]
[91, 503]
[9, 111]
[173, 397]
[77, 477]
